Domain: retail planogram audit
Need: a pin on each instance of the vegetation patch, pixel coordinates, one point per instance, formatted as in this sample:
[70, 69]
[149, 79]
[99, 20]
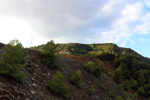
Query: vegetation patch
[58, 86]
[14, 59]
[50, 55]
[76, 79]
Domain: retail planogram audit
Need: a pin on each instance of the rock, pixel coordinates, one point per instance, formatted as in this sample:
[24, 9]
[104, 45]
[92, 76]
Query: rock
[34, 85]
[27, 99]
[32, 79]
[32, 92]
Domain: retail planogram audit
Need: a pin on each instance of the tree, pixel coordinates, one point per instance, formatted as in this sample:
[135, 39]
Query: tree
[98, 70]
[50, 55]
[76, 78]
[58, 86]
[13, 60]
[119, 98]
[89, 66]
[127, 86]
[118, 75]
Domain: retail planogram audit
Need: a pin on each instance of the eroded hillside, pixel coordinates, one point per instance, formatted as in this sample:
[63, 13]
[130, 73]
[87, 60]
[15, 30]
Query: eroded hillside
[37, 75]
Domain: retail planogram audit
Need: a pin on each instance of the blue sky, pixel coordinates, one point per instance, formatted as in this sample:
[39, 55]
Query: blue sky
[124, 22]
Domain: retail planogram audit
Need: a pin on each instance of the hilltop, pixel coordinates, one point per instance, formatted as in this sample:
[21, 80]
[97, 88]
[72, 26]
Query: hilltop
[77, 48]
[92, 49]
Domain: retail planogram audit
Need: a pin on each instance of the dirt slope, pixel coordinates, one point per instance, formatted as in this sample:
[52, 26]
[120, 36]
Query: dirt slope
[37, 75]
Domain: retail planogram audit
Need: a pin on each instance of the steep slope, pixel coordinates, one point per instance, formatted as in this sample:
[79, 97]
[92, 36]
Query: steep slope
[37, 75]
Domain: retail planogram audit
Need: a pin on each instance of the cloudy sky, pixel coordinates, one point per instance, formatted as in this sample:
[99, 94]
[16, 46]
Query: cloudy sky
[124, 22]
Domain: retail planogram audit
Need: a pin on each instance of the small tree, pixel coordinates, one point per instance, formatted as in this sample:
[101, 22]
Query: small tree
[119, 98]
[91, 90]
[118, 75]
[76, 78]
[58, 86]
[89, 66]
[14, 59]
[50, 55]
[127, 86]
[98, 70]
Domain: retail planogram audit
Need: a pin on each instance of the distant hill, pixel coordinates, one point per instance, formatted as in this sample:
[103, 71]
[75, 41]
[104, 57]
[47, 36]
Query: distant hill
[85, 49]
[77, 48]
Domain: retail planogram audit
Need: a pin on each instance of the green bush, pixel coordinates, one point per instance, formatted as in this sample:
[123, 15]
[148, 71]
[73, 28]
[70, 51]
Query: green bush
[89, 66]
[102, 87]
[120, 86]
[58, 86]
[134, 84]
[127, 86]
[50, 55]
[91, 89]
[98, 70]
[14, 59]
[76, 78]
[119, 98]
[135, 95]
[118, 75]
[129, 99]
[112, 93]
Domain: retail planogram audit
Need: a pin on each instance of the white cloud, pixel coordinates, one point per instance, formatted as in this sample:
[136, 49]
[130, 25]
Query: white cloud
[73, 20]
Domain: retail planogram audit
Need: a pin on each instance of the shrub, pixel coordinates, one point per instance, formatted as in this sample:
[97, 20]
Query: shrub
[14, 59]
[127, 86]
[119, 98]
[76, 78]
[91, 89]
[98, 70]
[102, 87]
[120, 86]
[58, 86]
[50, 55]
[89, 66]
[134, 84]
[118, 75]
[112, 93]
[135, 95]
[129, 99]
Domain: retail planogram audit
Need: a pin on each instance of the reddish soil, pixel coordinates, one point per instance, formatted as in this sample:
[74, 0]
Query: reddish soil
[108, 66]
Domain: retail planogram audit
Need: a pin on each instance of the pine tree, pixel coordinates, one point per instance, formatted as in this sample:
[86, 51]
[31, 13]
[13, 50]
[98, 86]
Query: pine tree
[13, 60]
[76, 78]
[118, 75]
[58, 86]
[50, 55]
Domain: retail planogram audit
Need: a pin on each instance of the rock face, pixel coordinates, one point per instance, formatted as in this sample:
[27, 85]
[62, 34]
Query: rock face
[37, 75]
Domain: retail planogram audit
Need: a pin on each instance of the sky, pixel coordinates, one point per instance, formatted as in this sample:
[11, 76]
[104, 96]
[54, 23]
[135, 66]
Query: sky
[34, 22]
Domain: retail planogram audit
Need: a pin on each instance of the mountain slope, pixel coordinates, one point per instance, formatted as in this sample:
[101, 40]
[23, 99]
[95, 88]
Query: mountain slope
[37, 75]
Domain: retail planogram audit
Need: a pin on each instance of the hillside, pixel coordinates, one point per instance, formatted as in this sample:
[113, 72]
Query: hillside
[38, 74]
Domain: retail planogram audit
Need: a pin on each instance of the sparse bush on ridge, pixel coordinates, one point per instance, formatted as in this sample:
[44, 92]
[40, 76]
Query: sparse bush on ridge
[58, 86]
[76, 79]
[13, 60]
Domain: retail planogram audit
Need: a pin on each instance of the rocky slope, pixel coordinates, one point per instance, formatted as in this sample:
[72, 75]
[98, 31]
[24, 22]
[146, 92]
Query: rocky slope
[37, 75]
